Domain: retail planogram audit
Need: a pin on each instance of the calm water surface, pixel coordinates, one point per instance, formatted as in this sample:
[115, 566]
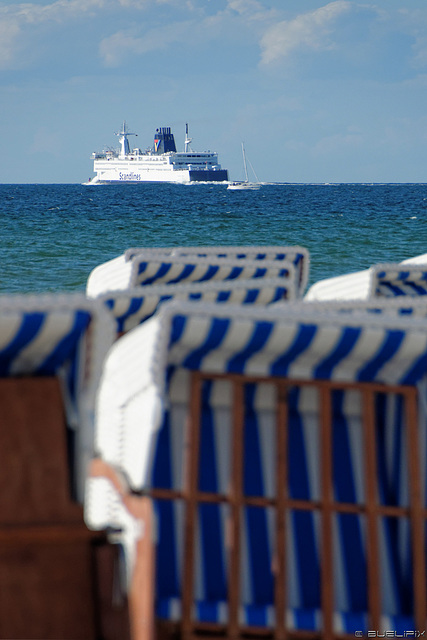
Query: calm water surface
[52, 236]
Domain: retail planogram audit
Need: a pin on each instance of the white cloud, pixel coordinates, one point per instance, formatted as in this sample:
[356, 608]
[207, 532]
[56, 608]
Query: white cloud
[245, 7]
[19, 22]
[414, 23]
[308, 31]
[9, 37]
[30, 13]
[142, 4]
[117, 47]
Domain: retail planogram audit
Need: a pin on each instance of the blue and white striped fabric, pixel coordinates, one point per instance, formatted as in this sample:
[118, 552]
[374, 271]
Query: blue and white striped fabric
[59, 335]
[131, 307]
[143, 406]
[354, 286]
[415, 306]
[391, 280]
[124, 271]
[174, 270]
[299, 256]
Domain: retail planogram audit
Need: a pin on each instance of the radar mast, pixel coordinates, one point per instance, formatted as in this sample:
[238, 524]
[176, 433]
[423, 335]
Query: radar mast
[188, 140]
[123, 139]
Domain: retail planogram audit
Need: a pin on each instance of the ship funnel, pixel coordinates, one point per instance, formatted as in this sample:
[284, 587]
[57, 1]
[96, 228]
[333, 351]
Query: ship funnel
[164, 141]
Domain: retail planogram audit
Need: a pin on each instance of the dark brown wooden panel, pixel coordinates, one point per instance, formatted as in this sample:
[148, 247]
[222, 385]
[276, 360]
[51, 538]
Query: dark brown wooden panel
[34, 473]
[58, 580]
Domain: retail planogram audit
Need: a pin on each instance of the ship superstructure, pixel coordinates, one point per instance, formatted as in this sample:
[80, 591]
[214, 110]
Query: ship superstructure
[160, 163]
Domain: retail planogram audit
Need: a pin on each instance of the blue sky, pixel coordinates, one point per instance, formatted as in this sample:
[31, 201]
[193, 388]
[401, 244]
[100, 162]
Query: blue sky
[318, 91]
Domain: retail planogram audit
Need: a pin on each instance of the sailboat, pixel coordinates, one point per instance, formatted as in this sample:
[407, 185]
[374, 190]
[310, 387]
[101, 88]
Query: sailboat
[245, 184]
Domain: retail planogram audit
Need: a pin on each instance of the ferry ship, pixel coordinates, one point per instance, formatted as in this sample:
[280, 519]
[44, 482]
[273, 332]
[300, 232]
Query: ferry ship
[161, 163]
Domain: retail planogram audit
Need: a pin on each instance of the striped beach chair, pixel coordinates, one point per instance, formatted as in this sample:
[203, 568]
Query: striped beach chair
[415, 306]
[66, 337]
[283, 455]
[58, 579]
[137, 267]
[134, 306]
[354, 286]
[394, 279]
[299, 256]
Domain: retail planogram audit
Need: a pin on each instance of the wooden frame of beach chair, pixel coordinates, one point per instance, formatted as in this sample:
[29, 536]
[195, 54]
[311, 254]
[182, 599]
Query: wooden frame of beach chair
[145, 625]
[325, 508]
[58, 579]
[282, 503]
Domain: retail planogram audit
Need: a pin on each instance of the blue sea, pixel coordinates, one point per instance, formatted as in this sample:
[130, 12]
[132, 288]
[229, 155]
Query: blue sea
[52, 236]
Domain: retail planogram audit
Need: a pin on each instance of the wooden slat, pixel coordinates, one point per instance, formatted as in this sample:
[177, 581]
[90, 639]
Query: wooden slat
[417, 520]
[291, 503]
[327, 507]
[376, 387]
[236, 498]
[371, 498]
[280, 596]
[326, 512]
[191, 471]
[47, 534]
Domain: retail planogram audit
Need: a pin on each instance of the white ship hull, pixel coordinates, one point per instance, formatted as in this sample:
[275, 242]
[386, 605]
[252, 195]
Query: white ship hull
[243, 185]
[128, 172]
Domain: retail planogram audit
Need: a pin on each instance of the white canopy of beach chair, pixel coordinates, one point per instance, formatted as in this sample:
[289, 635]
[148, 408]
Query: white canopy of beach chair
[197, 264]
[351, 286]
[133, 306]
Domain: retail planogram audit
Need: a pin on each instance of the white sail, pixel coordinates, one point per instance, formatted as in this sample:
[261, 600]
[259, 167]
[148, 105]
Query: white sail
[246, 184]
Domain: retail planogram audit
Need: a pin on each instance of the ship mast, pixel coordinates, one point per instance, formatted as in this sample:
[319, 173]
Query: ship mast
[187, 140]
[244, 163]
[123, 139]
